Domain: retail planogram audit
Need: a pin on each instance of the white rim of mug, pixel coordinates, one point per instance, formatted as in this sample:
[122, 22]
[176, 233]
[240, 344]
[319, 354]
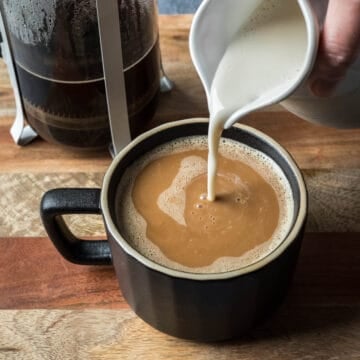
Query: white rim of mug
[291, 236]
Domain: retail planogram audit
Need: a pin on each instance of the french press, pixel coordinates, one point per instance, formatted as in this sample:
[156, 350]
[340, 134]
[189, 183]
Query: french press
[85, 71]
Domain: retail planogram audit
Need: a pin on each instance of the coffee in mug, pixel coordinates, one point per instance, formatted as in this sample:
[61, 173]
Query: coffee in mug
[164, 193]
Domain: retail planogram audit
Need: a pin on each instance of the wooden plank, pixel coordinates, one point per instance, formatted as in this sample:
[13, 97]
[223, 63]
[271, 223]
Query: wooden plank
[34, 275]
[40, 156]
[295, 333]
[6, 93]
[20, 202]
[320, 319]
[312, 146]
[328, 270]
[334, 201]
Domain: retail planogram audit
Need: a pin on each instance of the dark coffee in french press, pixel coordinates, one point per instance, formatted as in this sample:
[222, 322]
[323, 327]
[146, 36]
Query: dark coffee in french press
[57, 55]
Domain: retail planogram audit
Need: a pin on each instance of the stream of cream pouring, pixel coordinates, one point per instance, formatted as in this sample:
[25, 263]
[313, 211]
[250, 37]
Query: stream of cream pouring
[234, 84]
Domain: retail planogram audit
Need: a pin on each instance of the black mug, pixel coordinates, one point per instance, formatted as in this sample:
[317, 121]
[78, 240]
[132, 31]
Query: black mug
[204, 307]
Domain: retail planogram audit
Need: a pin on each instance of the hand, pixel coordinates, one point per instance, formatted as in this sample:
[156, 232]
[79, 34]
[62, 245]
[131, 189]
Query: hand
[339, 46]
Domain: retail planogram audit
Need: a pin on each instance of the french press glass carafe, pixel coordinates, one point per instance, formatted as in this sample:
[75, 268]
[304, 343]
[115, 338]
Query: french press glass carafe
[56, 50]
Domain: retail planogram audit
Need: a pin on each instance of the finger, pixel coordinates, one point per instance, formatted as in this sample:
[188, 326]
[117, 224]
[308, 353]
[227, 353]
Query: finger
[339, 45]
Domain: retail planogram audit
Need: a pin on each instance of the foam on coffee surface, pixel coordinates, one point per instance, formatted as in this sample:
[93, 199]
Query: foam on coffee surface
[133, 226]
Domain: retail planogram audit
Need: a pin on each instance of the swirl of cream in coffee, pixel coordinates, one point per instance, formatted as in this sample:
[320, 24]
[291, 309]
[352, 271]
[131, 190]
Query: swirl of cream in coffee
[162, 213]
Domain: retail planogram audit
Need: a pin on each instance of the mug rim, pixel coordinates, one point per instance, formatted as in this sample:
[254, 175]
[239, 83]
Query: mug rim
[277, 252]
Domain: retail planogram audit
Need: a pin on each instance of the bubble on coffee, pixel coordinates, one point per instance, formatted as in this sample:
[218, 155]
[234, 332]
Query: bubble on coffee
[133, 226]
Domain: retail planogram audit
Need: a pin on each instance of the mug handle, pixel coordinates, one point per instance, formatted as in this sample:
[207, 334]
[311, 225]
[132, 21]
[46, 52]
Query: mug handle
[58, 202]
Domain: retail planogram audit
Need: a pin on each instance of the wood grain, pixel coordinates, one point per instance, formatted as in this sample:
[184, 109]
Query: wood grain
[20, 202]
[310, 333]
[334, 201]
[313, 147]
[320, 318]
[34, 275]
[7, 102]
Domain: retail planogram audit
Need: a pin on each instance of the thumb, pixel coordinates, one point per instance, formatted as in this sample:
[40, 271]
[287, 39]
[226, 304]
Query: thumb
[339, 46]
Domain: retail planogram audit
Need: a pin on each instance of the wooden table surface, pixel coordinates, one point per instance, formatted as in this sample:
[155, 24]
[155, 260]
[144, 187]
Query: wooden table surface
[51, 309]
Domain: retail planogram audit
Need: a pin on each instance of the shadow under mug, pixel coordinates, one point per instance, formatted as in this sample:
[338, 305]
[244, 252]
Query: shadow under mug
[204, 307]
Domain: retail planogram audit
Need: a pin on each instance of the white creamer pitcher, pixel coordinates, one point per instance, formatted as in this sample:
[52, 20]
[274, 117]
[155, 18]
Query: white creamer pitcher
[215, 24]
